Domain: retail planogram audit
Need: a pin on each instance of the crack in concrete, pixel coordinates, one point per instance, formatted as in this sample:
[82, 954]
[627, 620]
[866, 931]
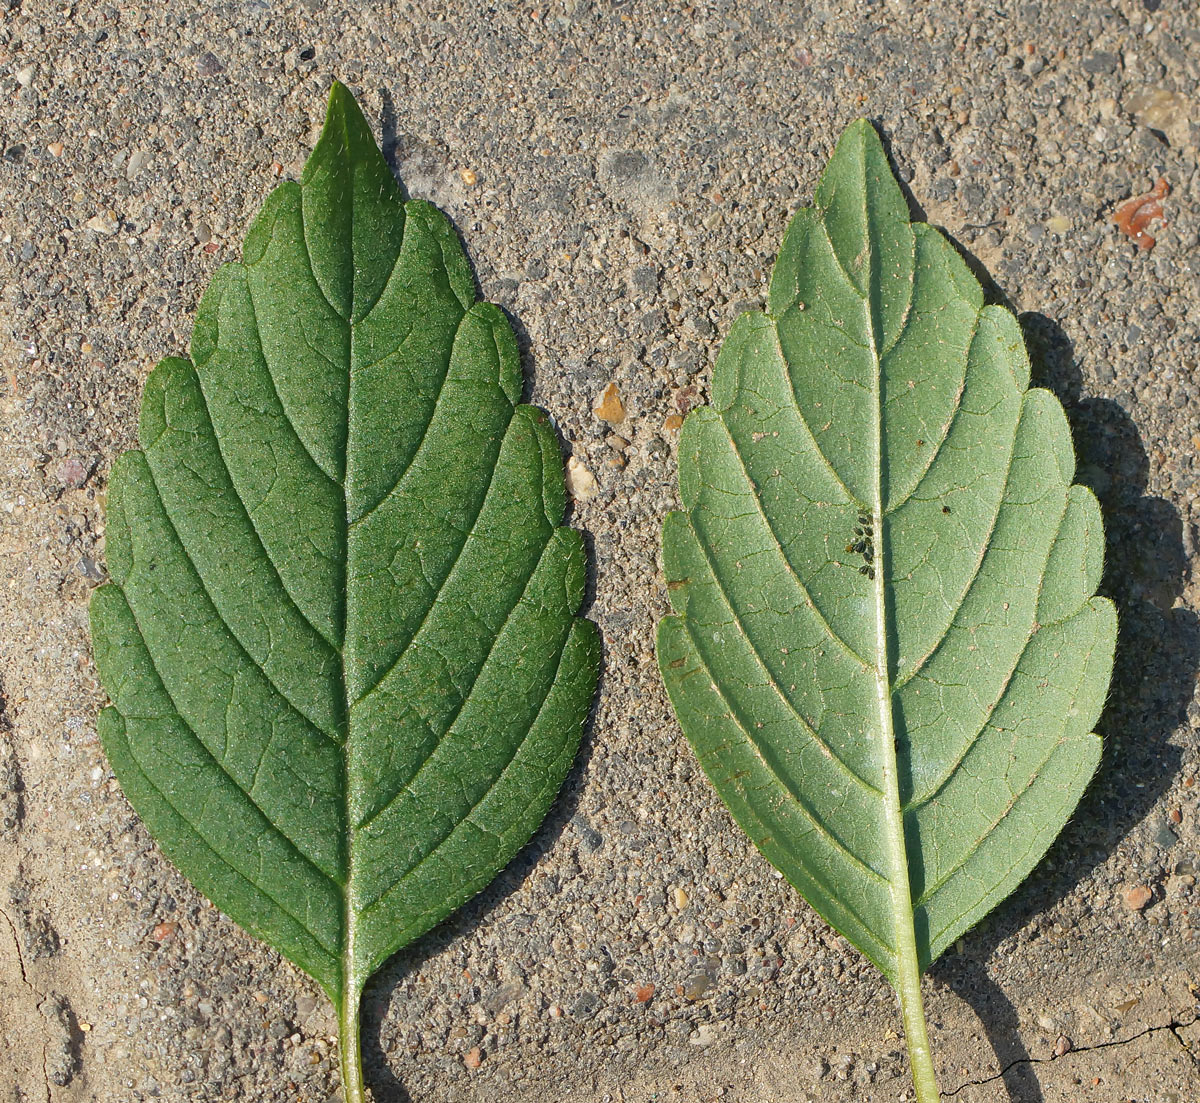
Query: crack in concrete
[38, 996]
[1174, 1026]
[17, 946]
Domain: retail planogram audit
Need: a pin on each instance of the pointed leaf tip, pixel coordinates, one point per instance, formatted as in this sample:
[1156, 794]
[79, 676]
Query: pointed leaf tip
[345, 109]
[344, 121]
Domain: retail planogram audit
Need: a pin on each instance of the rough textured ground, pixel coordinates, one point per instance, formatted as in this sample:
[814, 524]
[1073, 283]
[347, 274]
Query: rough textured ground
[622, 174]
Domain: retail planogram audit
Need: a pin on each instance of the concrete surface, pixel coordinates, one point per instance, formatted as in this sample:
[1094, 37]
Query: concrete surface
[622, 174]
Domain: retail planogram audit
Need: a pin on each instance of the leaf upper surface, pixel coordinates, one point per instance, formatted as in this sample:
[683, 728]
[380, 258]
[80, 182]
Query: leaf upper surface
[340, 640]
[885, 648]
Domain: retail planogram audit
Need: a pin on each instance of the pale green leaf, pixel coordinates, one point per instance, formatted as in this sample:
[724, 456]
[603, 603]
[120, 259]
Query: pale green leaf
[340, 639]
[886, 648]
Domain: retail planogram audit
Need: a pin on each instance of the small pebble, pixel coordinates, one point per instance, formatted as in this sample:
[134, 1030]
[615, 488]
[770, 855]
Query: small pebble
[473, 1058]
[1103, 62]
[1164, 837]
[673, 423]
[469, 178]
[209, 65]
[686, 398]
[103, 223]
[643, 281]
[55, 149]
[680, 897]
[1137, 897]
[581, 483]
[610, 408]
[1063, 1046]
[1161, 109]
[164, 931]
[644, 993]
[72, 473]
[90, 569]
[25, 76]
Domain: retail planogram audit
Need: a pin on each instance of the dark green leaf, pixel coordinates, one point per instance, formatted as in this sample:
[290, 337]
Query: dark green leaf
[340, 639]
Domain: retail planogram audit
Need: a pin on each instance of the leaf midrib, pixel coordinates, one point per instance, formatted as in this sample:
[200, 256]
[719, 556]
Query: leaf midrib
[905, 963]
[352, 983]
[354, 974]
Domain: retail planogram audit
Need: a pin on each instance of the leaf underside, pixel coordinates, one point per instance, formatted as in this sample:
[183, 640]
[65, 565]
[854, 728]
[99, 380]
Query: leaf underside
[346, 674]
[879, 388]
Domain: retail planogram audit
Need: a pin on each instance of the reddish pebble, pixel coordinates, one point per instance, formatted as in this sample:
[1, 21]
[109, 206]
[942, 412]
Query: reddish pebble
[686, 398]
[1133, 217]
[473, 1059]
[1137, 897]
[164, 931]
[72, 473]
[644, 993]
[1176, 815]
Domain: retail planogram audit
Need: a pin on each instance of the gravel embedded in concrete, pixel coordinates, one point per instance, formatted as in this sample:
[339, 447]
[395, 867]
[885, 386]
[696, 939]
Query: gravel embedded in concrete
[622, 175]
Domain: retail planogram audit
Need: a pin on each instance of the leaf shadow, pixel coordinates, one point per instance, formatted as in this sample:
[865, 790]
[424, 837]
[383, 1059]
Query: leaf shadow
[389, 137]
[378, 1063]
[1157, 658]
[1154, 672]
[972, 983]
